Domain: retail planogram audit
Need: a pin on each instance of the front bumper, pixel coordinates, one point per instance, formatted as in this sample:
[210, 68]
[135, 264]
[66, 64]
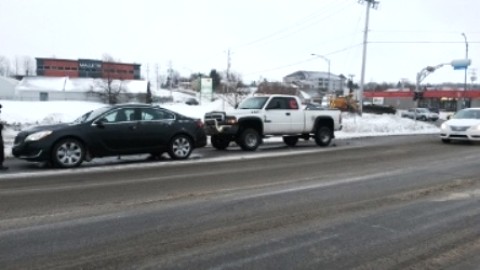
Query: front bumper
[30, 152]
[468, 135]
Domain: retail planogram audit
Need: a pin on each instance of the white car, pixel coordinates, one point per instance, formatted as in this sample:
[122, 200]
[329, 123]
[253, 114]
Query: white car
[463, 125]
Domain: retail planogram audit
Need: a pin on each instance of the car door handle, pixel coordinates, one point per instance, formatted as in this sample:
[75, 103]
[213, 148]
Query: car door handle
[287, 113]
[133, 127]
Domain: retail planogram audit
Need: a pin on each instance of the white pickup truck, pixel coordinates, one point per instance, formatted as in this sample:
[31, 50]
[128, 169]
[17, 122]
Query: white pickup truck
[258, 117]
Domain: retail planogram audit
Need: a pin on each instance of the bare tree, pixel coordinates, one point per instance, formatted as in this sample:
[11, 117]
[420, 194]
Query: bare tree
[5, 69]
[28, 66]
[108, 90]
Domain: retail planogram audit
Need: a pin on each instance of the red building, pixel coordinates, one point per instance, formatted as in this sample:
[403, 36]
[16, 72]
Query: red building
[87, 68]
[57, 67]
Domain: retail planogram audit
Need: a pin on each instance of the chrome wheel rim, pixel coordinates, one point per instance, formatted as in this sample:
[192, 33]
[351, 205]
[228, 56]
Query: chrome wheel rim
[69, 153]
[181, 147]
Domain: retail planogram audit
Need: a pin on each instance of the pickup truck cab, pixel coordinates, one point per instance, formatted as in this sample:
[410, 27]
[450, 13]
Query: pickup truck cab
[258, 117]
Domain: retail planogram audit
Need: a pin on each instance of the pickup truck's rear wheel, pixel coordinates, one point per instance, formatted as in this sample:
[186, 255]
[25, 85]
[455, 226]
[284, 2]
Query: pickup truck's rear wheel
[249, 140]
[323, 136]
[290, 140]
[219, 142]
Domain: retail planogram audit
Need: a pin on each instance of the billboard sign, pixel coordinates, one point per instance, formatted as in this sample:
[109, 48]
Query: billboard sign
[206, 88]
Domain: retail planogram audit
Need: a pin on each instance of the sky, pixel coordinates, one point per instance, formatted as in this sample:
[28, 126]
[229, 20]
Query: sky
[258, 40]
[18, 115]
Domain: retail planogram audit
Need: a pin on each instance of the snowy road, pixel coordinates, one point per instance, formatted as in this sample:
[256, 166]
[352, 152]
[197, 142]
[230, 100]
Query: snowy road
[406, 202]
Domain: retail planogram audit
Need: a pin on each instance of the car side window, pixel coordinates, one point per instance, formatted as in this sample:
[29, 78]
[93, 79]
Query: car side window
[278, 103]
[117, 116]
[150, 114]
[292, 104]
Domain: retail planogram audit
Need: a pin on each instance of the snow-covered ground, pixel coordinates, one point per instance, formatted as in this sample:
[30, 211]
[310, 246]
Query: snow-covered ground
[21, 114]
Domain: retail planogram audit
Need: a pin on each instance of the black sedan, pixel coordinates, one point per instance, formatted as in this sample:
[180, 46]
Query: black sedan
[123, 129]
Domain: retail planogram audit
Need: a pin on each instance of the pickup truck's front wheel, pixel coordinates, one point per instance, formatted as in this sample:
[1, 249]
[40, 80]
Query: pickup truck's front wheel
[323, 136]
[249, 140]
[219, 142]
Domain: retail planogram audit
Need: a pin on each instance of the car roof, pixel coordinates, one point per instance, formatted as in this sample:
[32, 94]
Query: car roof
[142, 105]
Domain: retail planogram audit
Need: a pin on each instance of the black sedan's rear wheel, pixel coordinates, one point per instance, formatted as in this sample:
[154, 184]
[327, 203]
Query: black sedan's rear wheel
[180, 147]
[68, 153]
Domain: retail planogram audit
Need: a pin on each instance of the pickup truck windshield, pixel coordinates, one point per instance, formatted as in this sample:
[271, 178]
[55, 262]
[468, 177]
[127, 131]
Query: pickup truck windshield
[253, 103]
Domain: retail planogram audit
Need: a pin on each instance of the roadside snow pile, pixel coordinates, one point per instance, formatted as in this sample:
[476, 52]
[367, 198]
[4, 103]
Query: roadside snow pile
[381, 125]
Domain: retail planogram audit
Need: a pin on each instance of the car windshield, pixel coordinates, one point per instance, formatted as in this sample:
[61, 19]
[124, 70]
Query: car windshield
[422, 110]
[467, 114]
[90, 115]
[253, 103]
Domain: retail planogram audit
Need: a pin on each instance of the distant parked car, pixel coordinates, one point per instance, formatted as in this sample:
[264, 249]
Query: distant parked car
[191, 101]
[421, 114]
[463, 125]
[123, 129]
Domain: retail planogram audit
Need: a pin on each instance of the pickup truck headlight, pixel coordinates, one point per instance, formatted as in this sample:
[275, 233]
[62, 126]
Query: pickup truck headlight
[231, 120]
[38, 135]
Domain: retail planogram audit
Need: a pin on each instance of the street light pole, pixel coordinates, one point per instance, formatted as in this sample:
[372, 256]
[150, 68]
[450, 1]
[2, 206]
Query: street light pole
[465, 80]
[328, 62]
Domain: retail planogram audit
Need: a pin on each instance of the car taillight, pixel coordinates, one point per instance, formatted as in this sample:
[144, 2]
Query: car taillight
[199, 123]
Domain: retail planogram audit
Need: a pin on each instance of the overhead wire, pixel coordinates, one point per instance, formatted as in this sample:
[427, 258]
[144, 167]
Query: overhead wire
[304, 20]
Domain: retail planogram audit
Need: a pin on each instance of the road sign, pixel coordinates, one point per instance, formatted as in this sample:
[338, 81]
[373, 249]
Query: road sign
[460, 63]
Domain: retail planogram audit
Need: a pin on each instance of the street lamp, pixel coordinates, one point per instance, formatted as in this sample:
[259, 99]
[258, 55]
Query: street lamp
[328, 62]
[466, 57]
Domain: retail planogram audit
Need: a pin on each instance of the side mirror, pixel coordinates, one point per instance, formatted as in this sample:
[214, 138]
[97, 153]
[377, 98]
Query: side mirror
[100, 122]
[449, 116]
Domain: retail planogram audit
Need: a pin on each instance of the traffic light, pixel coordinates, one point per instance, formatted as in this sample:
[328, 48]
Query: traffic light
[417, 96]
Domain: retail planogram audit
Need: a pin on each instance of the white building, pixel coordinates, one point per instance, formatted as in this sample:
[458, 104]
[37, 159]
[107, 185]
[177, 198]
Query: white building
[7, 88]
[318, 80]
[75, 89]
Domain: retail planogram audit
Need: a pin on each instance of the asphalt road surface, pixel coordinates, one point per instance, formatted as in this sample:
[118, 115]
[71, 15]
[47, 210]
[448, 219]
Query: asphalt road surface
[402, 202]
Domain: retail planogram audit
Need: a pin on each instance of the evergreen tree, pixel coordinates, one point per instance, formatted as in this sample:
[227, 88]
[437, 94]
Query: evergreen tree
[149, 98]
[215, 79]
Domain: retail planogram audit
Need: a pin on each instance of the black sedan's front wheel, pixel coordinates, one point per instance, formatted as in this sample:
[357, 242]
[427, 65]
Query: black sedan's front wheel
[68, 153]
[180, 147]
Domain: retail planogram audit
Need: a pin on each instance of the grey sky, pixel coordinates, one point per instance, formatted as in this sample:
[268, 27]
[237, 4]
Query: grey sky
[267, 38]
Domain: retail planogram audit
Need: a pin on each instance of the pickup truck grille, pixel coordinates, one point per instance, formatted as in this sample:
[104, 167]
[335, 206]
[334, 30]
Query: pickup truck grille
[218, 116]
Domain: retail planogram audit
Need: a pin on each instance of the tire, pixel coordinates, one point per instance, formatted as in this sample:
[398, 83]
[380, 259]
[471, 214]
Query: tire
[180, 147]
[219, 142]
[323, 136]
[446, 140]
[249, 140]
[68, 153]
[290, 140]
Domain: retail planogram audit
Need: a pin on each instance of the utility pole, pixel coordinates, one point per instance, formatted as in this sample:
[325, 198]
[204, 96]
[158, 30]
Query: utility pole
[463, 105]
[370, 4]
[170, 75]
[229, 63]
[157, 75]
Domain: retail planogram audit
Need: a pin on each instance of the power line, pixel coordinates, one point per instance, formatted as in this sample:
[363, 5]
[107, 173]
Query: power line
[421, 42]
[303, 61]
[301, 22]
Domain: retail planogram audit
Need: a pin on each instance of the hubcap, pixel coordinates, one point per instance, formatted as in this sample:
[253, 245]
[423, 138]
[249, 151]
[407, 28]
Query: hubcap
[181, 147]
[69, 153]
[251, 140]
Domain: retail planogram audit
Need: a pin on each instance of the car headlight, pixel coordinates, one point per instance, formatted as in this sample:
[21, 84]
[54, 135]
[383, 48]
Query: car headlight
[475, 127]
[444, 126]
[231, 120]
[38, 135]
